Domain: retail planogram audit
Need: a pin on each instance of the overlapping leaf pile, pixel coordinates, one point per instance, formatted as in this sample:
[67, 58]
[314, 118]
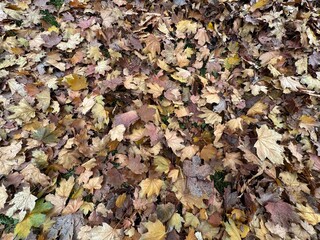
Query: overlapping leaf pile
[160, 119]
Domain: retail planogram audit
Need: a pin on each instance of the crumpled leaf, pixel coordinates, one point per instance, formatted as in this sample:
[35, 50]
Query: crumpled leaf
[174, 142]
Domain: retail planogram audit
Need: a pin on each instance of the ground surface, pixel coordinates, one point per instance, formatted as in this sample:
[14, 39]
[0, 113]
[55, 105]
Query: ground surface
[159, 119]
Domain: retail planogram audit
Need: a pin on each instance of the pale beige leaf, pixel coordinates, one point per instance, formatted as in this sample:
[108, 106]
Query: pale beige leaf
[154, 89]
[176, 222]
[104, 232]
[174, 142]
[267, 146]
[94, 184]
[32, 174]
[3, 196]
[210, 117]
[22, 201]
[290, 84]
[117, 132]
[23, 112]
[44, 99]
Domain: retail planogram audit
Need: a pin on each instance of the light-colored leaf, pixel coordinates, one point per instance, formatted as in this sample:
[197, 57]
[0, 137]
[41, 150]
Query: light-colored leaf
[150, 187]
[156, 231]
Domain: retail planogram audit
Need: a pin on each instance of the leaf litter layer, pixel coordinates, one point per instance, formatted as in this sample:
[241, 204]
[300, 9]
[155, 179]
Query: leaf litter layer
[159, 119]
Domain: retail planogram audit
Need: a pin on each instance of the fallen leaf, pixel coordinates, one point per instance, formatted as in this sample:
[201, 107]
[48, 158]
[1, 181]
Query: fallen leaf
[156, 231]
[150, 187]
[267, 146]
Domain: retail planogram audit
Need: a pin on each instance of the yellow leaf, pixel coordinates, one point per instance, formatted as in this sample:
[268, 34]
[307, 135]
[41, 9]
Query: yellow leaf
[150, 187]
[232, 61]
[267, 146]
[154, 89]
[208, 152]
[186, 26]
[87, 207]
[173, 174]
[232, 230]
[259, 4]
[308, 214]
[235, 124]
[94, 184]
[162, 164]
[156, 231]
[191, 220]
[22, 112]
[257, 108]
[120, 200]
[176, 222]
[76, 82]
[23, 228]
[65, 187]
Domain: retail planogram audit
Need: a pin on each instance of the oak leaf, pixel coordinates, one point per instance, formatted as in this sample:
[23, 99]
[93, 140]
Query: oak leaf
[267, 146]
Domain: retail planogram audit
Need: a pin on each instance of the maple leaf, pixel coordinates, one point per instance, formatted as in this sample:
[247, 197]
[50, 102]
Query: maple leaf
[117, 132]
[94, 183]
[150, 187]
[76, 82]
[73, 41]
[3, 196]
[156, 231]
[186, 26]
[281, 213]
[308, 214]
[290, 84]
[174, 142]
[65, 187]
[35, 219]
[176, 222]
[267, 146]
[22, 201]
[162, 164]
[22, 112]
[33, 174]
[152, 45]
[66, 227]
[191, 220]
[104, 232]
